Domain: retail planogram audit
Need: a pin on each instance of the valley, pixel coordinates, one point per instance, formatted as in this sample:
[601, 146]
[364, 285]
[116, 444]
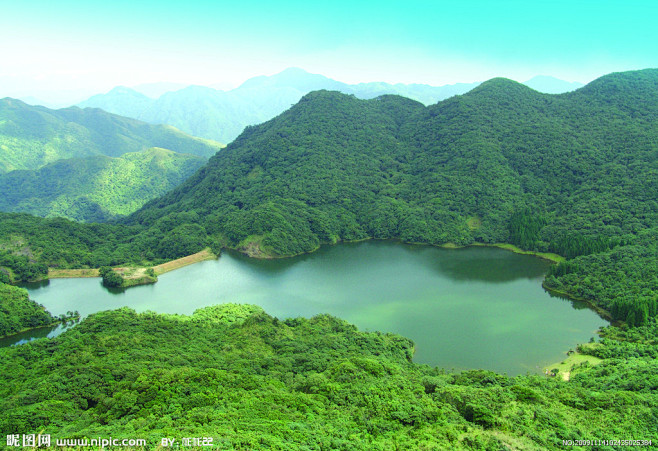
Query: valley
[571, 177]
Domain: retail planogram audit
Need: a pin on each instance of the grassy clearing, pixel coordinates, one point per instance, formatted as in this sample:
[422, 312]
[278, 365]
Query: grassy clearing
[131, 273]
[473, 223]
[572, 363]
[70, 273]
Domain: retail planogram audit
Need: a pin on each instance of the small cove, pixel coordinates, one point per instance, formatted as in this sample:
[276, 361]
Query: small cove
[475, 307]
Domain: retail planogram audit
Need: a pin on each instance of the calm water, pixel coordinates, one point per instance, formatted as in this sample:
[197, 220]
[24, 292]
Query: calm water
[468, 308]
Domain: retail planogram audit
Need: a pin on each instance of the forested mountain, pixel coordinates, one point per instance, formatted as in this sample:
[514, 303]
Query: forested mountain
[336, 167]
[96, 188]
[89, 165]
[222, 116]
[33, 136]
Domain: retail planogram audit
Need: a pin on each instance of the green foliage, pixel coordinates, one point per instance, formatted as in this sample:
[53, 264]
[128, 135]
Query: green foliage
[524, 227]
[183, 240]
[60, 243]
[18, 311]
[623, 281]
[248, 380]
[110, 277]
[96, 188]
[22, 268]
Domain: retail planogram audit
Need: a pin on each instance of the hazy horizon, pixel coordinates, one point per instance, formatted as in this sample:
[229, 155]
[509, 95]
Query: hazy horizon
[68, 48]
[60, 99]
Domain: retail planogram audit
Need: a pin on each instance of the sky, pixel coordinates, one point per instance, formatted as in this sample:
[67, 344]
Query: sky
[79, 48]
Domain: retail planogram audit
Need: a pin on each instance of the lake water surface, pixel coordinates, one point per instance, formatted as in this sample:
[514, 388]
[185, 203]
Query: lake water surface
[475, 307]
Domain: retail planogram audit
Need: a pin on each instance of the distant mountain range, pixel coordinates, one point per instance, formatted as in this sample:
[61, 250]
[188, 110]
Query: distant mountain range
[89, 164]
[222, 115]
[551, 85]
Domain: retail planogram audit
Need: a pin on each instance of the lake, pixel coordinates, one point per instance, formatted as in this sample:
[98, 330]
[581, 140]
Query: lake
[475, 307]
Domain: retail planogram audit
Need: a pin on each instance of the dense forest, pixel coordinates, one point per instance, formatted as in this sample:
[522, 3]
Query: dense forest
[251, 381]
[29, 244]
[18, 311]
[337, 168]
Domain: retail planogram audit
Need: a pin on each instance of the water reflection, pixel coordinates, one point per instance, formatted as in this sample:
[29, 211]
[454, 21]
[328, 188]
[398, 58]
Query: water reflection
[465, 308]
[486, 265]
[33, 334]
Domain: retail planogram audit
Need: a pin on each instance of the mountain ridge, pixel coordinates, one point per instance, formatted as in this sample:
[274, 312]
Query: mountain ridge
[76, 163]
[222, 115]
[32, 136]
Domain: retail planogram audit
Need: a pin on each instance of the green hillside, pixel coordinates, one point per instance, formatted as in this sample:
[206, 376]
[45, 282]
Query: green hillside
[334, 167]
[251, 381]
[96, 188]
[33, 136]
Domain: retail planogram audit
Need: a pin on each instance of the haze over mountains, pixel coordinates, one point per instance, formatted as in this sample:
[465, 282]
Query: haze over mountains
[222, 115]
[88, 165]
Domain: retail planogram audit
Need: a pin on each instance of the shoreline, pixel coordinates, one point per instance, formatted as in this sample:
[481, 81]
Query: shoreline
[572, 362]
[249, 250]
[205, 254]
[600, 311]
[54, 323]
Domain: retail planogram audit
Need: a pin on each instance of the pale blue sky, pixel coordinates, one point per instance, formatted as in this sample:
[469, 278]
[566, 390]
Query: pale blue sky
[95, 45]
